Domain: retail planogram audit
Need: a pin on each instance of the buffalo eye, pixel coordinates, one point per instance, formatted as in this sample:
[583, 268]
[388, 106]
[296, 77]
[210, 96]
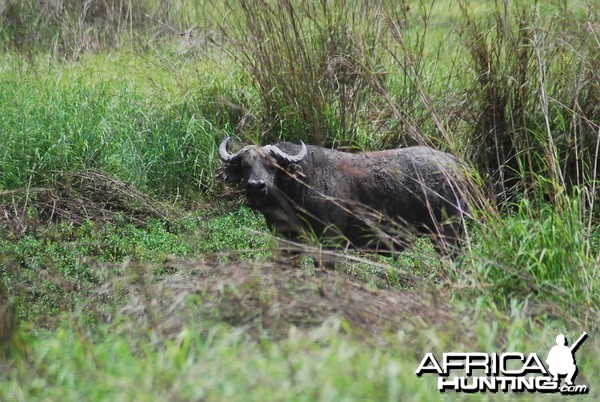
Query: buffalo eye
[295, 171]
[231, 173]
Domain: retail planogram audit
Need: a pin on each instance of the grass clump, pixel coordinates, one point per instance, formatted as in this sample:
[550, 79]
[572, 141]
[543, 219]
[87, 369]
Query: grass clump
[533, 75]
[312, 65]
[542, 253]
[70, 28]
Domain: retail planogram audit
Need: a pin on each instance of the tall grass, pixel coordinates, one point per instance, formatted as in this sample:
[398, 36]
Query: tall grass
[542, 253]
[69, 27]
[533, 83]
[314, 65]
[141, 127]
[517, 98]
[534, 137]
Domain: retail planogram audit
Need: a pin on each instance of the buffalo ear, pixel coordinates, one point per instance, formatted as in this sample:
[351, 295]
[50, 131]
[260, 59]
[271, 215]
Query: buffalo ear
[230, 173]
[295, 171]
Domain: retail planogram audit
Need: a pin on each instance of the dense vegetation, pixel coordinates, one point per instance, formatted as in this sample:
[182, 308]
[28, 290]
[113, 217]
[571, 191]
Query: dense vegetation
[128, 272]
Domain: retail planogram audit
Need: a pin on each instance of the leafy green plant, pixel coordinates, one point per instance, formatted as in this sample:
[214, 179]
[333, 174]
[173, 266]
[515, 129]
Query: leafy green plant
[242, 230]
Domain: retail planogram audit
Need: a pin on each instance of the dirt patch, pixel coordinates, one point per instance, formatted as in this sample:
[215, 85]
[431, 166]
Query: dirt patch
[271, 298]
[74, 198]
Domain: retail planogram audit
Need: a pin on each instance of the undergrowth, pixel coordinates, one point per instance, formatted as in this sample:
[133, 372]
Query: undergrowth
[48, 269]
[538, 253]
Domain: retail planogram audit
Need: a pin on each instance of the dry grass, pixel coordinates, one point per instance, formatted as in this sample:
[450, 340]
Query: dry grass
[75, 198]
[268, 299]
[314, 65]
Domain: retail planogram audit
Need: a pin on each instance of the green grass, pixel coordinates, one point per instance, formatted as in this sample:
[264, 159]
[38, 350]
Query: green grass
[211, 361]
[132, 116]
[541, 253]
[221, 366]
[104, 308]
[81, 356]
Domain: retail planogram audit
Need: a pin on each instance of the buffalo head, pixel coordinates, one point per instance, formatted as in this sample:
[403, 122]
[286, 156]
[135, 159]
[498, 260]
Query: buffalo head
[257, 167]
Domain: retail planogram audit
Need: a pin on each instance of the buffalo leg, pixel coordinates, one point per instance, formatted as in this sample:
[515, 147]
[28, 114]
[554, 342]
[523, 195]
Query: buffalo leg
[447, 240]
[289, 253]
[324, 260]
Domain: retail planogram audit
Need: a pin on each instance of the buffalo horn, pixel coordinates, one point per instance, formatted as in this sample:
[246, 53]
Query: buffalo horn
[225, 155]
[282, 156]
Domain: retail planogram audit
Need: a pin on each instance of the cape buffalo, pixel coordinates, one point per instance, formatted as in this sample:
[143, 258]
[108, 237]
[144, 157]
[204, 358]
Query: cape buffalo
[375, 201]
